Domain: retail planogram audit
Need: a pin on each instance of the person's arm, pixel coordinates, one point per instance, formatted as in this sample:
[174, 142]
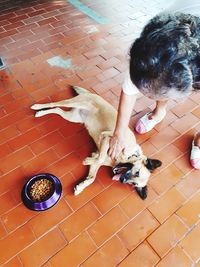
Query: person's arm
[118, 140]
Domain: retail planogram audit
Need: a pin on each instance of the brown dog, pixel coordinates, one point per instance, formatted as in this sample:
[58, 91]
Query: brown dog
[99, 118]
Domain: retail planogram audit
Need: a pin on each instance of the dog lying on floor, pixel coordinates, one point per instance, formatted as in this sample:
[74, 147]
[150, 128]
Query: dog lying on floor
[99, 118]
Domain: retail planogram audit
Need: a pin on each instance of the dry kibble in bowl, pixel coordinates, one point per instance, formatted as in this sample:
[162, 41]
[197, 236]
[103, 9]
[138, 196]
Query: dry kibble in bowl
[41, 189]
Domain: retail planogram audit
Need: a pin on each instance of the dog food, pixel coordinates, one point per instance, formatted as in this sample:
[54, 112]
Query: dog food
[41, 189]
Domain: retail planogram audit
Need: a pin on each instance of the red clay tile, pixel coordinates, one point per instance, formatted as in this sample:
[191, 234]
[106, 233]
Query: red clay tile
[86, 73]
[78, 201]
[164, 137]
[64, 165]
[19, 239]
[169, 118]
[196, 112]
[12, 179]
[24, 139]
[67, 254]
[184, 107]
[40, 163]
[166, 205]
[142, 102]
[138, 230]
[7, 202]
[2, 230]
[143, 255]
[110, 254]
[26, 124]
[190, 184]
[111, 196]
[17, 104]
[8, 33]
[70, 129]
[183, 163]
[12, 118]
[18, 18]
[71, 144]
[17, 217]
[43, 222]
[15, 262]
[108, 225]
[108, 63]
[133, 204]
[190, 243]
[5, 150]
[167, 178]
[6, 99]
[79, 221]
[13, 25]
[148, 148]
[190, 211]
[185, 123]
[15, 159]
[177, 254]
[141, 138]
[45, 142]
[47, 264]
[43, 249]
[184, 142]
[24, 10]
[172, 154]
[170, 233]
[102, 87]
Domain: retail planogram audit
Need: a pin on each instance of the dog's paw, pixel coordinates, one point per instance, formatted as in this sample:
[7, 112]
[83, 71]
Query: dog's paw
[39, 114]
[89, 161]
[77, 190]
[82, 185]
[36, 106]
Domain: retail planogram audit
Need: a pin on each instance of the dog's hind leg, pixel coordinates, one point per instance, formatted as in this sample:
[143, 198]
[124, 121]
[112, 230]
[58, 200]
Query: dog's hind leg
[75, 102]
[72, 115]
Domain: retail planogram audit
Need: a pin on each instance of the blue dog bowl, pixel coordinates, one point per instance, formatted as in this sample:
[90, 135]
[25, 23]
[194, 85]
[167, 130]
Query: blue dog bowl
[51, 199]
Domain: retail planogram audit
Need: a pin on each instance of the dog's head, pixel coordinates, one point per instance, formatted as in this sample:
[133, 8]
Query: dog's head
[136, 172]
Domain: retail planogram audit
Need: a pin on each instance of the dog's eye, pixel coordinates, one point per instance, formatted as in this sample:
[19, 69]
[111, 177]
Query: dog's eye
[137, 174]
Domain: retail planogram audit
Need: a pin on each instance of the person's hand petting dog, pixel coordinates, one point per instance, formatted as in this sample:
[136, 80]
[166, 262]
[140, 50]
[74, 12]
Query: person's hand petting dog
[118, 144]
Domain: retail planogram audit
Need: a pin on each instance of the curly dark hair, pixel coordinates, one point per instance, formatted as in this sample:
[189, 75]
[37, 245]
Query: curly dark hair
[166, 56]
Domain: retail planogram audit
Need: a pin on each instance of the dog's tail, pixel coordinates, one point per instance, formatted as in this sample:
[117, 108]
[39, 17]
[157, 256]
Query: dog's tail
[80, 90]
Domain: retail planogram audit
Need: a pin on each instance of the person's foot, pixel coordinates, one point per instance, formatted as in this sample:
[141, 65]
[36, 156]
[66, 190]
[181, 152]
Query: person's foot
[195, 152]
[149, 121]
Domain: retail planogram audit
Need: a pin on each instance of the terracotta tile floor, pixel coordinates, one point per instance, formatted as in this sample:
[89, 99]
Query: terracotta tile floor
[107, 224]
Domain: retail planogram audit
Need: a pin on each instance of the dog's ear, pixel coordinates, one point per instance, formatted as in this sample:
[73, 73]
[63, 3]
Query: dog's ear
[152, 164]
[142, 191]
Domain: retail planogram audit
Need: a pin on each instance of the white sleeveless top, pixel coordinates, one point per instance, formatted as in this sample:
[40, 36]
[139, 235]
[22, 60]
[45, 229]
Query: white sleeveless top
[184, 6]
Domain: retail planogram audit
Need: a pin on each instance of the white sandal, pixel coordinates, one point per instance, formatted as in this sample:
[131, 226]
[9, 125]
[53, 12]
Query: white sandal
[147, 123]
[195, 156]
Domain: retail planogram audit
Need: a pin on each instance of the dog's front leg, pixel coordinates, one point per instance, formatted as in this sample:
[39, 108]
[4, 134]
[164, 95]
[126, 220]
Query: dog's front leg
[89, 179]
[99, 157]
[95, 162]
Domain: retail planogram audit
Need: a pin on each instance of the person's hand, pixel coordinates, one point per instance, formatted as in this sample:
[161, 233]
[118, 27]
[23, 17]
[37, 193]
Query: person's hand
[117, 145]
